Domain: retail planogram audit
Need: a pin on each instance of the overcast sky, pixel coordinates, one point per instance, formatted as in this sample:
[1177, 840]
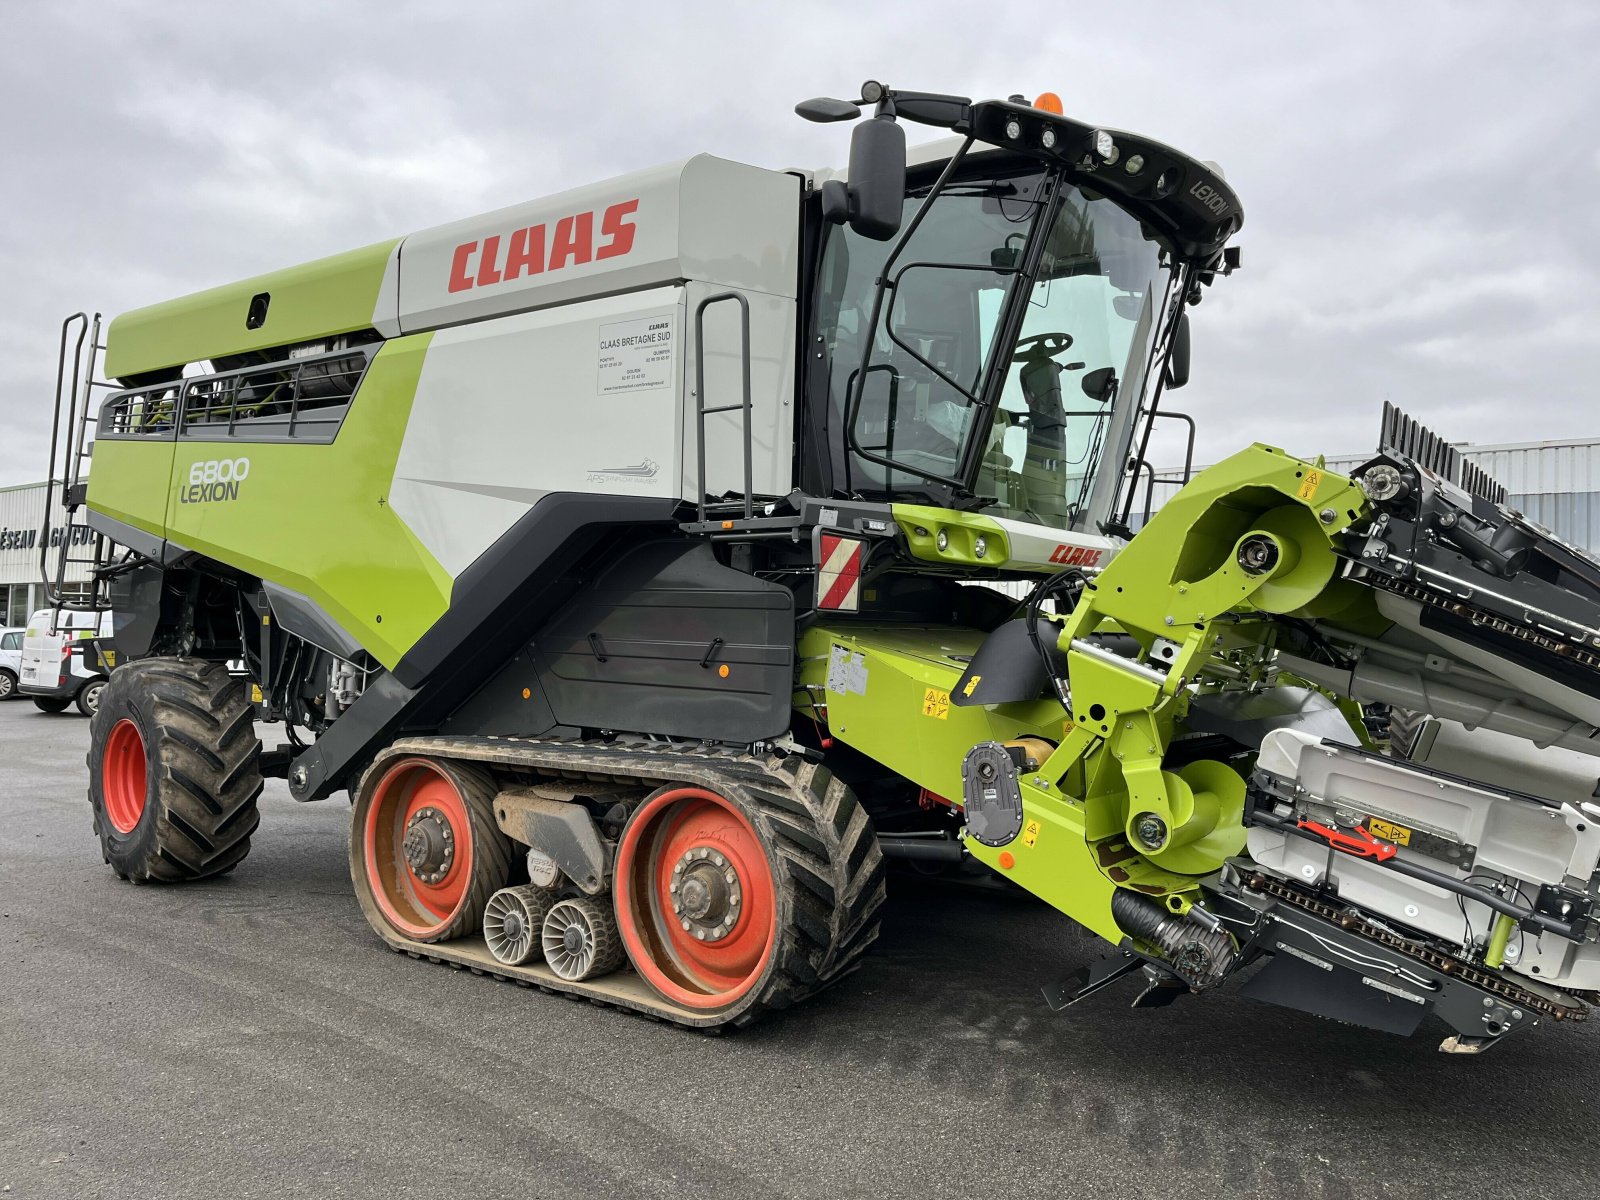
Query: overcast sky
[1419, 180]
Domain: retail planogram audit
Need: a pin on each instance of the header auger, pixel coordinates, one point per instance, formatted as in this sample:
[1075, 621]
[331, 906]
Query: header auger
[627, 554]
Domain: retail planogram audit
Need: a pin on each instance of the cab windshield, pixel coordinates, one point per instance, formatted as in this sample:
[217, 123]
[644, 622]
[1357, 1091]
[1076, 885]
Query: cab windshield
[1067, 382]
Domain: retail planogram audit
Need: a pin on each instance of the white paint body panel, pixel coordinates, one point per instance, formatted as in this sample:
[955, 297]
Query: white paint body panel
[513, 402]
[705, 219]
[1040, 545]
[509, 410]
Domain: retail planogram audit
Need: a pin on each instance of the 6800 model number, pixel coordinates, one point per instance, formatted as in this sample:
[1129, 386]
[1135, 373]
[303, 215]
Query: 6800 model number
[214, 479]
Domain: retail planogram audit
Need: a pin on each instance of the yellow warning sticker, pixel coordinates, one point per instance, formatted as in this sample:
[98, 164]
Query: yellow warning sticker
[936, 704]
[1310, 484]
[1398, 834]
[972, 685]
[255, 693]
[110, 656]
[1030, 833]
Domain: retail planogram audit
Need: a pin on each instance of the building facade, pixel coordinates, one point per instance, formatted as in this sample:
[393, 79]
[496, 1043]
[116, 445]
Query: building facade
[22, 537]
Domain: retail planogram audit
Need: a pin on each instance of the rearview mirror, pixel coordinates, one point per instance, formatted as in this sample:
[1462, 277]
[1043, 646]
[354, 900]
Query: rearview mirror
[1100, 385]
[1178, 359]
[877, 178]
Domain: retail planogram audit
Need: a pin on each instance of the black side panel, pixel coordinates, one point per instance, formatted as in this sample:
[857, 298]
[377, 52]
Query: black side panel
[136, 609]
[670, 641]
[496, 606]
[304, 617]
[508, 579]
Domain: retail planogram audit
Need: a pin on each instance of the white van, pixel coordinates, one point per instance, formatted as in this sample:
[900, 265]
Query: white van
[63, 661]
[10, 661]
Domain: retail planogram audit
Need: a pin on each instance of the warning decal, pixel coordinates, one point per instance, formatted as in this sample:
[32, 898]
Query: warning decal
[936, 704]
[635, 355]
[839, 572]
[1308, 488]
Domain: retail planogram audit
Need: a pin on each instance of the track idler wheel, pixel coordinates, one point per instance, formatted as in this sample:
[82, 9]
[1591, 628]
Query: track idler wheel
[513, 922]
[580, 939]
[425, 852]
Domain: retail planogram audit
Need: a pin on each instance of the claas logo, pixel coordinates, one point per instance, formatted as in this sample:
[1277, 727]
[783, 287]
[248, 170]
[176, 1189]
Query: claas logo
[1076, 556]
[537, 249]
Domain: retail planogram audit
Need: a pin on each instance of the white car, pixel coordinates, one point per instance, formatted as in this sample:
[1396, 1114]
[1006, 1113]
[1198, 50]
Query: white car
[63, 660]
[10, 662]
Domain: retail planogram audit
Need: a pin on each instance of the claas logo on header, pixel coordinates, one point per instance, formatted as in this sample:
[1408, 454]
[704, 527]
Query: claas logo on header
[537, 249]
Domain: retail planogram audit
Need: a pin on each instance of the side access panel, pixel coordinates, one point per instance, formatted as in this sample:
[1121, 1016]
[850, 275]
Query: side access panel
[670, 641]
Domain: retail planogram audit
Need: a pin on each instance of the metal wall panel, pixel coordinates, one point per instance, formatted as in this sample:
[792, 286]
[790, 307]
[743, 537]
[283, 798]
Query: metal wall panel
[21, 513]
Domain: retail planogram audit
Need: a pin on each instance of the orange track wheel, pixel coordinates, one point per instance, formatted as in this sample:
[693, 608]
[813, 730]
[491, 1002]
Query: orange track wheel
[695, 899]
[124, 776]
[428, 846]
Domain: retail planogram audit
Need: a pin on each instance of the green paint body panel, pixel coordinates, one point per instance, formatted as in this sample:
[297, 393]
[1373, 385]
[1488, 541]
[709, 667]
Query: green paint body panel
[330, 296]
[314, 518]
[1179, 583]
[922, 525]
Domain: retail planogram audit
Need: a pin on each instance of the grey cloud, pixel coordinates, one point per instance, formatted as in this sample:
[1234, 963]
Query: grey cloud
[1417, 178]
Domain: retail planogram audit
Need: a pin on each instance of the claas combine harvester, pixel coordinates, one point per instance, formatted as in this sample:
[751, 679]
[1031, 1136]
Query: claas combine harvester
[628, 556]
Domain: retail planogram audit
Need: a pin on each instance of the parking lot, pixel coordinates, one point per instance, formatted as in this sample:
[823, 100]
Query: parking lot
[251, 1037]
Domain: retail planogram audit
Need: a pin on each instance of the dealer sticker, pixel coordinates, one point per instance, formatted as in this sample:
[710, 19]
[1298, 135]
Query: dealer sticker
[635, 355]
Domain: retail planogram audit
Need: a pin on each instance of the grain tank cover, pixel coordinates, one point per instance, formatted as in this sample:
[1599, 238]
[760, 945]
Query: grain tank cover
[722, 223]
[706, 219]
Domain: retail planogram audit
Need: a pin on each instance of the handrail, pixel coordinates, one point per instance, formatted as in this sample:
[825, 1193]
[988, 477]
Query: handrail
[82, 319]
[702, 412]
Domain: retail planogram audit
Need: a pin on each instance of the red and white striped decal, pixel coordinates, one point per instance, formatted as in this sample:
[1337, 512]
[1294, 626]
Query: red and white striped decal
[839, 573]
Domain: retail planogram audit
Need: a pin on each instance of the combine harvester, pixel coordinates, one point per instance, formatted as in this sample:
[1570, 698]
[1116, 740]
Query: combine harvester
[623, 554]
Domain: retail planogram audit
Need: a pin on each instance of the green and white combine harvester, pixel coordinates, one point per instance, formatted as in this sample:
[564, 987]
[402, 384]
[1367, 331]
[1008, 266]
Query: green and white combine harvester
[625, 554]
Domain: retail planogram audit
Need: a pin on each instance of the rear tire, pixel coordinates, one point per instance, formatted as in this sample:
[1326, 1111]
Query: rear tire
[50, 704]
[174, 770]
[8, 685]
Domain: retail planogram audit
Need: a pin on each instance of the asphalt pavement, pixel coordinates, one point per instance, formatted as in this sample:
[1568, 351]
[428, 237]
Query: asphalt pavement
[250, 1037]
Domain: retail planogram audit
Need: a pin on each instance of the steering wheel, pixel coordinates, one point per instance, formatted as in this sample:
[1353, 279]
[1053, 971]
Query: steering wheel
[1042, 345]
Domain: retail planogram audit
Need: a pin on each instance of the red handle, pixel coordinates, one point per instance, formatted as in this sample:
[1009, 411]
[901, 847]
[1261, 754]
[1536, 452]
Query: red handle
[1358, 842]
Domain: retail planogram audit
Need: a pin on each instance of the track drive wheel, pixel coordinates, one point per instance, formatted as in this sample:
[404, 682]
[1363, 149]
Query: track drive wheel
[174, 770]
[425, 852]
[750, 897]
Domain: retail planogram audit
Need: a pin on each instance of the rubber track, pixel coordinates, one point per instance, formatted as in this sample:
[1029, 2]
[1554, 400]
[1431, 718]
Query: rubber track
[831, 868]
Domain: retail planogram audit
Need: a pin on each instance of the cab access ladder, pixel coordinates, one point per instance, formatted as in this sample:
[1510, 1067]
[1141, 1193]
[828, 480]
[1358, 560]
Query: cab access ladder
[72, 543]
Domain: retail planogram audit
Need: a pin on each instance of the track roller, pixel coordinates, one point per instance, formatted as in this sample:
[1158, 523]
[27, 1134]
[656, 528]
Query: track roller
[513, 921]
[580, 939]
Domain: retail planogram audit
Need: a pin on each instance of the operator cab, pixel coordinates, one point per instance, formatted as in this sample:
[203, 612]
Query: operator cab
[997, 350]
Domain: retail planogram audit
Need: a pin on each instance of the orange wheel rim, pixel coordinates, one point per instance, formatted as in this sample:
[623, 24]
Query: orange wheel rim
[696, 904]
[417, 847]
[124, 776]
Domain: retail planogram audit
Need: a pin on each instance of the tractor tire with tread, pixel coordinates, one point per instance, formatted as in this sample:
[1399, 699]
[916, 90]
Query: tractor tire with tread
[191, 812]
